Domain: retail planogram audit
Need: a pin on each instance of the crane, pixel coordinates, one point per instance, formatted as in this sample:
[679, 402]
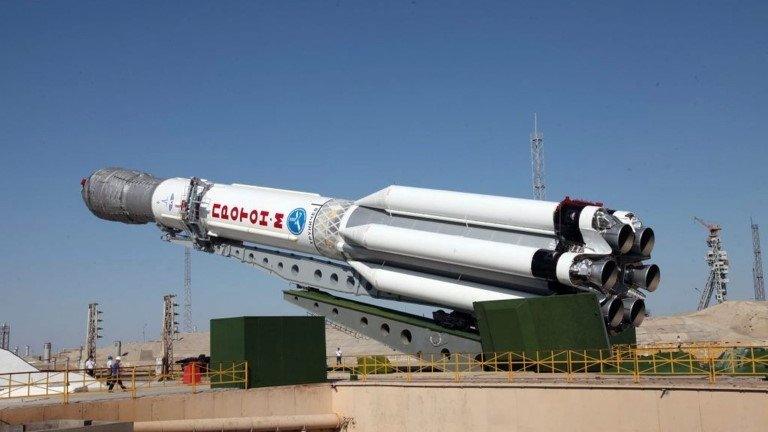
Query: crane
[717, 260]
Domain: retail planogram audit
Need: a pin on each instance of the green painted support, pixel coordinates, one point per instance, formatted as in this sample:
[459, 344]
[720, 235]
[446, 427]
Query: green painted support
[279, 350]
[563, 322]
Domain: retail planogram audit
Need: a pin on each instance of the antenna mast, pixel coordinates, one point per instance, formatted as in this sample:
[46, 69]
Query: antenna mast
[757, 267]
[170, 330]
[93, 331]
[187, 318]
[537, 160]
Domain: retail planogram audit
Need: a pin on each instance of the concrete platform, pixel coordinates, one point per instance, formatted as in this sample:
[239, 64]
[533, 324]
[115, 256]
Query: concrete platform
[444, 406]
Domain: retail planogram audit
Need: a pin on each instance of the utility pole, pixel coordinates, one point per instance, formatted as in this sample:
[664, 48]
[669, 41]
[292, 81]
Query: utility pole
[5, 336]
[757, 266]
[717, 260]
[188, 325]
[537, 160]
[93, 330]
[170, 329]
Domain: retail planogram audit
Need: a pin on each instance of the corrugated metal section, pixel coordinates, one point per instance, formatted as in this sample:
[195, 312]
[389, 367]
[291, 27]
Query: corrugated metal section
[121, 195]
[279, 350]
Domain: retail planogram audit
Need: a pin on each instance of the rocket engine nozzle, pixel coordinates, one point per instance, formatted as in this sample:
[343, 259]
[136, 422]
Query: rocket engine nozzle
[644, 241]
[634, 311]
[604, 274]
[621, 237]
[613, 310]
[119, 194]
[646, 277]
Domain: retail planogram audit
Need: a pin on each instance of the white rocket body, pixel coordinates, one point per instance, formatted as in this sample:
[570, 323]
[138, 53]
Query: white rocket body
[438, 247]
[245, 213]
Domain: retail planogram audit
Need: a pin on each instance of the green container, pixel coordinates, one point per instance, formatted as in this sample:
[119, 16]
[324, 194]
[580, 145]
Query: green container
[278, 350]
[562, 322]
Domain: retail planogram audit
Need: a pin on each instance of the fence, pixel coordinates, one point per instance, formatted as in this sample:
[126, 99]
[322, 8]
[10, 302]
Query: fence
[708, 360]
[133, 379]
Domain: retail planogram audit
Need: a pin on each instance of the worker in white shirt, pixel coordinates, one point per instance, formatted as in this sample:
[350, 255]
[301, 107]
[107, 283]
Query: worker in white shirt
[338, 355]
[90, 364]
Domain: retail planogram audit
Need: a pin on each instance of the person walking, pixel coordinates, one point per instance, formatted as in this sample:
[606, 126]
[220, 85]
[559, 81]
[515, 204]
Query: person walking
[338, 355]
[90, 364]
[114, 375]
[109, 368]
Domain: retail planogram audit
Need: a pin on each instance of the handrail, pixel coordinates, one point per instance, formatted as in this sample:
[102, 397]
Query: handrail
[133, 379]
[694, 360]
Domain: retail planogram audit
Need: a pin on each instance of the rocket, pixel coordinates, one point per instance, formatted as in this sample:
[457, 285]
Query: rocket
[435, 247]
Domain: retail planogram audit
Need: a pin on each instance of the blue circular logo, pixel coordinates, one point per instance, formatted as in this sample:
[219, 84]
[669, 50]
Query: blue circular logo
[297, 218]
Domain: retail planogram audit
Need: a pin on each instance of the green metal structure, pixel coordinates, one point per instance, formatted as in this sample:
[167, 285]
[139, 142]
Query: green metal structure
[564, 322]
[278, 350]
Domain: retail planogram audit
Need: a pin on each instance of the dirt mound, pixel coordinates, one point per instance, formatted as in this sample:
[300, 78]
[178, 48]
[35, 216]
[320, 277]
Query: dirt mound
[749, 318]
[732, 321]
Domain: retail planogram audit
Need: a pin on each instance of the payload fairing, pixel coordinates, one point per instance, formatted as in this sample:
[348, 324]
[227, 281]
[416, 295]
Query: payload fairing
[433, 247]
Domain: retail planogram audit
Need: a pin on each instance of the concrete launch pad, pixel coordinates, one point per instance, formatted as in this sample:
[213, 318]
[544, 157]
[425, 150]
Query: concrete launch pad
[438, 406]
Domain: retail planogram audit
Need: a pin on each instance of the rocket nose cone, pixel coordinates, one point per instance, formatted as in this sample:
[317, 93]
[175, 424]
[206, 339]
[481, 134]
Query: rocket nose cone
[378, 199]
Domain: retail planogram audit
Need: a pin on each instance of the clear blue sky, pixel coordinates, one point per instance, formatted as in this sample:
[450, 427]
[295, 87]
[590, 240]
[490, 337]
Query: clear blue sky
[656, 107]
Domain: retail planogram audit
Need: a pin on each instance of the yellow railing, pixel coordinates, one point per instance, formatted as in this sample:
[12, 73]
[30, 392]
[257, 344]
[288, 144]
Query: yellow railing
[707, 360]
[132, 379]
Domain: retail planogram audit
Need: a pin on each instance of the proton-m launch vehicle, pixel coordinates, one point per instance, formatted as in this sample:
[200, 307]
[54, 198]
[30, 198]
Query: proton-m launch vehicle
[433, 247]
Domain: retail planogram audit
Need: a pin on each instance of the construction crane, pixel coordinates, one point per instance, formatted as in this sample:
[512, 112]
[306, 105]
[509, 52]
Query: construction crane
[717, 260]
[757, 266]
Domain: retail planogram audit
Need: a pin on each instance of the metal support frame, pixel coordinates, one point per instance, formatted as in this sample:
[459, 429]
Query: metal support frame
[93, 331]
[537, 160]
[187, 318]
[309, 272]
[5, 336]
[190, 212]
[757, 266]
[397, 330]
[170, 329]
[719, 266]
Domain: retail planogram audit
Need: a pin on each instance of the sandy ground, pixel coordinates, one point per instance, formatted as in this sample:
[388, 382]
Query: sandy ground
[731, 322]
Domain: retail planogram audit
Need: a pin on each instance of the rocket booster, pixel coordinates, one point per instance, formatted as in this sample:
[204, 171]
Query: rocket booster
[437, 247]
